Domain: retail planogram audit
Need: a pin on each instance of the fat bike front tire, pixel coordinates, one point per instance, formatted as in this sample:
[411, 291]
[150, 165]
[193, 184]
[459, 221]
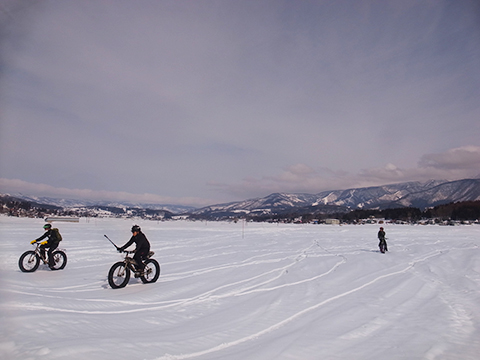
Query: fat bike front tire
[29, 261]
[119, 275]
[151, 272]
[60, 259]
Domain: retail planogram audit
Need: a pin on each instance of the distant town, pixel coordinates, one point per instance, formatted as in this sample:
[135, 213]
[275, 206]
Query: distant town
[466, 212]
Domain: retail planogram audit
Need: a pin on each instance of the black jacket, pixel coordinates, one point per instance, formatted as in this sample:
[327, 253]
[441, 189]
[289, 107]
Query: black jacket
[141, 242]
[51, 235]
[381, 235]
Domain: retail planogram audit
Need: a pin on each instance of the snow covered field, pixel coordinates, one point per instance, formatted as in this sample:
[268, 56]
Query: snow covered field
[245, 291]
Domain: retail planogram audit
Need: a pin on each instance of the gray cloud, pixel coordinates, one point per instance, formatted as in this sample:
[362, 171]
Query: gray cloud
[454, 164]
[224, 99]
[462, 158]
[15, 186]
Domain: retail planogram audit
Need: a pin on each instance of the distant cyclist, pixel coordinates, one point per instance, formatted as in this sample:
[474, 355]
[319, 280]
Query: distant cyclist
[53, 239]
[381, 237]
[142, 248]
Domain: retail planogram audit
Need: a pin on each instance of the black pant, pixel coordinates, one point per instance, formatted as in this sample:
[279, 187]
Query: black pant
[139, 256]
[51, 247]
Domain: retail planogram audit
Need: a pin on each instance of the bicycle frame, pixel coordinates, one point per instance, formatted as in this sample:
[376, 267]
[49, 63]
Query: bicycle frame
[45, 258]
[38, 251]
[130, 261]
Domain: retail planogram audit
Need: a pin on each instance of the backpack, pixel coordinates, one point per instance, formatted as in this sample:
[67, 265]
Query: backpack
[56, 234]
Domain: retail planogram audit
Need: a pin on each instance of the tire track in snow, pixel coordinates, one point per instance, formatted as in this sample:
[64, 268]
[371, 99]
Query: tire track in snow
[208, 296]
[253, 290]
[247, 262]
[462, 324]
[201, 298]
[295, 316]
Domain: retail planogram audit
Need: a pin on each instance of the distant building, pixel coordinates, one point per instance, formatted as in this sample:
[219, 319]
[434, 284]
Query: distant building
[332, 221]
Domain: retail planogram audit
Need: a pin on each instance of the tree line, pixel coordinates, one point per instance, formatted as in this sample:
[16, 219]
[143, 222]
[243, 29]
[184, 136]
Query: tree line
[460, 211]
[467, 210]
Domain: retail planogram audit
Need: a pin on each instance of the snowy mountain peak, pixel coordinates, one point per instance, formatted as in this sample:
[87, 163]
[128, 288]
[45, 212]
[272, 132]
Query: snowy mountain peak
[408, 194]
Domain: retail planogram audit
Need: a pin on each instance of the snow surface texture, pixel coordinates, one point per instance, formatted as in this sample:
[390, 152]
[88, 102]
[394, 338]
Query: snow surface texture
[246, 291]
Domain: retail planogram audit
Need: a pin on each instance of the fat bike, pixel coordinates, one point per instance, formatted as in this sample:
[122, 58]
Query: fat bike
[30, 260]
[382, 246]
[120, 272]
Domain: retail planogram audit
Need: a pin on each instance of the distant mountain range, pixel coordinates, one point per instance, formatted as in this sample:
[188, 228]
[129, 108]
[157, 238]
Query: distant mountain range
[72, 203]
[421, 195]
[409, 194]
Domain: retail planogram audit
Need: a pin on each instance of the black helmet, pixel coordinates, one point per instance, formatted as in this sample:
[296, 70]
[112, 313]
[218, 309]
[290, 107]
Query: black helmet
[135, 228]
[47, 226]
[381, 228]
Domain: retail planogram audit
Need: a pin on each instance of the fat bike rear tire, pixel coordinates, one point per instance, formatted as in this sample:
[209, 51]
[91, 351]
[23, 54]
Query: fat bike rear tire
[151, 272]
[119, 275]
[60, 259]
[382, 247]
[29, 261]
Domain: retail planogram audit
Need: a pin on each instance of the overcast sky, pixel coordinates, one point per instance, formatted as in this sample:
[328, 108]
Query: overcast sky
[202, 102]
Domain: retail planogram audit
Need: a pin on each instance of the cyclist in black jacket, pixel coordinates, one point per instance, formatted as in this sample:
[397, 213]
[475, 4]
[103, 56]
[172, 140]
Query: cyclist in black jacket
[142, 247]
[381, 238]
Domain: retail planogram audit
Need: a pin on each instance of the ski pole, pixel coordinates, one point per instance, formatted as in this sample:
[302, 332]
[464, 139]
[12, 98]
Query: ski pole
[111, 241]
